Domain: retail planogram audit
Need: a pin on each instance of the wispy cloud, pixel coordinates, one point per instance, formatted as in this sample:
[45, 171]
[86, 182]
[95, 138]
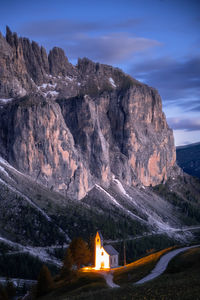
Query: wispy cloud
[106, 42]
[57, 28]
[60, 27]
[186, 105]
[195, 108]
[174, 79]
[111, 48]
[184, 124]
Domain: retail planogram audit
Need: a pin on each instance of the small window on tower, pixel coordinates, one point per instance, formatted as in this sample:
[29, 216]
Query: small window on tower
[97, 240]
[102, 253]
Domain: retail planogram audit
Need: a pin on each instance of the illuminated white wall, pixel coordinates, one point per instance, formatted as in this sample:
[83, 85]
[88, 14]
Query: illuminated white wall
[102, 258]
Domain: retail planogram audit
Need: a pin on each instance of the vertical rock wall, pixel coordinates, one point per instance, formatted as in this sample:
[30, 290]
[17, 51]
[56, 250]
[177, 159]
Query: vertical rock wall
[100, 122]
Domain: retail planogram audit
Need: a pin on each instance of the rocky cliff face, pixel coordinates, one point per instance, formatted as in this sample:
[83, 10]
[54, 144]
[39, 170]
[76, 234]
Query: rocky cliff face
[70, 127]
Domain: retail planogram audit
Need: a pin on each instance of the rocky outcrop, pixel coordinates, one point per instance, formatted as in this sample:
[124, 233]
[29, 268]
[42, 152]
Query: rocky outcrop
[12, 69]
[59, 64]
[78, 126]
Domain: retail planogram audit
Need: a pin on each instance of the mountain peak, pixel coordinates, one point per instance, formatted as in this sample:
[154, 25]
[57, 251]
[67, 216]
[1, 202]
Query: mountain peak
[77, 126]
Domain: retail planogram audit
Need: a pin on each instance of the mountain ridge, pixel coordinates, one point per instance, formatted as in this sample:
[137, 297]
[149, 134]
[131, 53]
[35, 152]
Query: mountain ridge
[84, 148]
[188, 145]
[71, 127]
[87, 132]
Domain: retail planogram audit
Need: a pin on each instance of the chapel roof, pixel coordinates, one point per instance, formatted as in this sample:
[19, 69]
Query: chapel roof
[110, 250]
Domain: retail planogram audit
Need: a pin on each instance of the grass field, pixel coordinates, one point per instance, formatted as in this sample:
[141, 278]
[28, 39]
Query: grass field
[181, 281]
[138, 269]
[84, 283]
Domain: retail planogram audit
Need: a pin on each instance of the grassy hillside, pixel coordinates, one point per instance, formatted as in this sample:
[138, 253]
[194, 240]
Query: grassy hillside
[138, 269]
[83, 284]
[181, 281]
[183, 193]
[91, 283]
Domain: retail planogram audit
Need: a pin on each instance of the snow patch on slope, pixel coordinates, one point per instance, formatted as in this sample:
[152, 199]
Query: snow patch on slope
[121, 189]
[33, 205]
[50, 93]
[112, 82]
[40, 252]
[48, 89]
[5, 163]
[27, 199]
[153, 218]
[69, 78]
[119, 205]
[5, 172]
[47, 85]
[4, 101]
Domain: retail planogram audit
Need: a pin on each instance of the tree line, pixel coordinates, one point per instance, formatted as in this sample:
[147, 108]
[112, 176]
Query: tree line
[78, 254]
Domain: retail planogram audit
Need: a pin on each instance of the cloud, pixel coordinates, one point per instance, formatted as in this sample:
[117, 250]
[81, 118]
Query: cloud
[111, 48]
[66, 27]
[174, 79]
[195, 109]
[106, 42]
[187, 105]
[190, 105]
[184, 124]
[57, 28]
[178, 82]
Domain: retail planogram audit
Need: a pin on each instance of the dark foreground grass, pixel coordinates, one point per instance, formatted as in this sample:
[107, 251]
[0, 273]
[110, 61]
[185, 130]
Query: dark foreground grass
[84, 283]
[181, 281]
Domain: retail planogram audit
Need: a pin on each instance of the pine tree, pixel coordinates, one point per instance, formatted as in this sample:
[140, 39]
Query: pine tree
[10, 289]
[80, 252]
[3, 293]
[66, 271]
[45, 282]
[91, 248]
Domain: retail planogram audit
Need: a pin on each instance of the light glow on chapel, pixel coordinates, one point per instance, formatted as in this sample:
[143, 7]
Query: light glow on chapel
[106, 257]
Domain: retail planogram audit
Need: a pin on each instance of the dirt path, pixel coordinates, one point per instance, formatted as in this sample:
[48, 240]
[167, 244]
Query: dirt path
[109, 279]
[162, 264]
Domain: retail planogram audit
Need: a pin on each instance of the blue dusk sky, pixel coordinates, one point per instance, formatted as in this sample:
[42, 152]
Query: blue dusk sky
[155, 41]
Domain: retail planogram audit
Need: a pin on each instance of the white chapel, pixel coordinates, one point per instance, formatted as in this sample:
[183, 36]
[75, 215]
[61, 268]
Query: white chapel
[106, 257]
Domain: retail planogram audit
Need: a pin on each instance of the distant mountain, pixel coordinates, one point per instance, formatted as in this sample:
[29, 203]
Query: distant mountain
[188, 158]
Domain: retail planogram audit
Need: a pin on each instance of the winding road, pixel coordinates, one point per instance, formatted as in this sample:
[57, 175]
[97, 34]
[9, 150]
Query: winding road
[162, 264]
[157, 271]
